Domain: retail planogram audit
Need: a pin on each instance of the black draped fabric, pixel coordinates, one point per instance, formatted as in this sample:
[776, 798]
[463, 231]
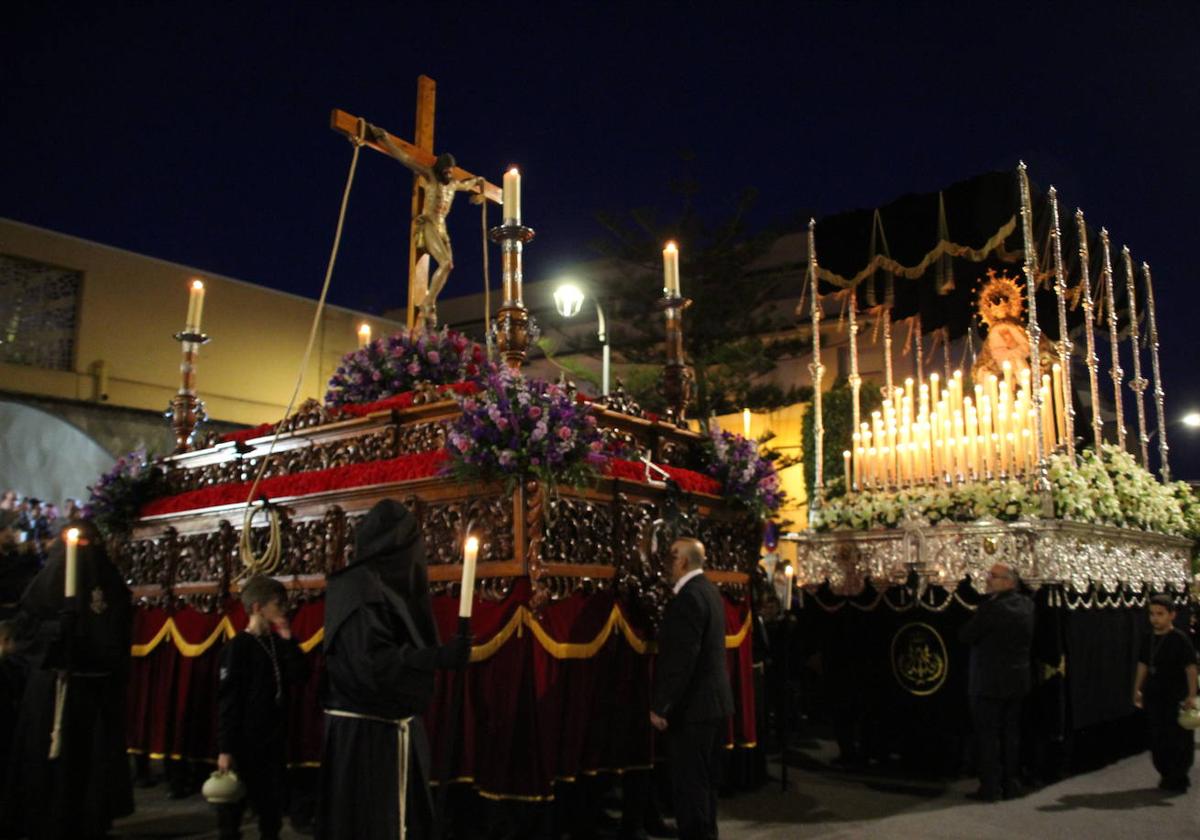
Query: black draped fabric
[379, 643]
[1101, 659]
[79, 793]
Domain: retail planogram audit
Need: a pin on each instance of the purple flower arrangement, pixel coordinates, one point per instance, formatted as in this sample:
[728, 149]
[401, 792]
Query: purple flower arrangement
[745, 475]
[115, 500]
[516, 427]
[394, 364]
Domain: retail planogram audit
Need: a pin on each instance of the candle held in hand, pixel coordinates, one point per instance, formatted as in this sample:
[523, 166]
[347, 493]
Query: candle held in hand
[72, 570]
[512, 196]
[466, 596]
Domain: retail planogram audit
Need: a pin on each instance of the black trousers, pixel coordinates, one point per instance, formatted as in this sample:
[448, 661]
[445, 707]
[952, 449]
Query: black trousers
[266, 787]
[997, 723]
[695, 753]
[1172, 748]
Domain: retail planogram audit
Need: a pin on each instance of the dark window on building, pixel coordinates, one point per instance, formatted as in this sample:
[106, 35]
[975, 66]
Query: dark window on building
[38, 306]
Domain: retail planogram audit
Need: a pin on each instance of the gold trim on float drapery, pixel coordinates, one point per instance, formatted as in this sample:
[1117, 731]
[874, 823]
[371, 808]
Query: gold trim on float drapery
[522, 617]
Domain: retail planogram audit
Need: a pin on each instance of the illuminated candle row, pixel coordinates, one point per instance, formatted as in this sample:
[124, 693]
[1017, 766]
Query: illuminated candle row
[933, 433]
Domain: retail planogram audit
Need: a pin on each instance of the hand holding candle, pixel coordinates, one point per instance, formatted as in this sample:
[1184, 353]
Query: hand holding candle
[466, 596]
[72, 566]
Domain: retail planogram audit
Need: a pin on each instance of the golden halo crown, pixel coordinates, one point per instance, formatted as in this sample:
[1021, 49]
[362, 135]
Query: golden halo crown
[999, 299]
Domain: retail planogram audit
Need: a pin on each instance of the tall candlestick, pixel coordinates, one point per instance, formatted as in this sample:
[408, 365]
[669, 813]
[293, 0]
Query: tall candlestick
[1033, 332]
[1089, 330]
[512, 196]
[854, 379]
[1164, 465]
[670, 270]
[195, 306]
[846, 467]
[466, 595]
[1138, 383]
[364, 335]
[72, 565]
[788, 572]
[816, 369]
[746, 423]
[1065, 412]
[1116, 373]
[888, 385]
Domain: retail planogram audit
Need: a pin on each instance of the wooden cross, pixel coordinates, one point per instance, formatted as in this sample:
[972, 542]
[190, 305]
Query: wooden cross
[422, 151]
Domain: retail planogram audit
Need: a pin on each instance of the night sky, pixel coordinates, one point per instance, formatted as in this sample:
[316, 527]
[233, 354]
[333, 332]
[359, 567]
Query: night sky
[199, 132]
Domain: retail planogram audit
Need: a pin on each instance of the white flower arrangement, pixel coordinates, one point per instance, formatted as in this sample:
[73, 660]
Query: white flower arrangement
[1106, 488]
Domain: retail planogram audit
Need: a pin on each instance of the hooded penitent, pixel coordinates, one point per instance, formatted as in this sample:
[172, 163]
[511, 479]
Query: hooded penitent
[380, 656]
[79, 661]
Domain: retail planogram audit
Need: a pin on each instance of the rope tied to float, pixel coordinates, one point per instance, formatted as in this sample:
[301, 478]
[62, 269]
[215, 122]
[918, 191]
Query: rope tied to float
[269, 561]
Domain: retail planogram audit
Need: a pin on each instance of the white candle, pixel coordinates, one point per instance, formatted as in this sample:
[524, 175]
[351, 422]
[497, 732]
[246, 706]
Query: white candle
[364, 334]
[788, 571]
[746, 423]
[670, 270]
[466, 596]
[72, 571]
[1060, 408]
[195, 307]
[512, 195]
[846, 466]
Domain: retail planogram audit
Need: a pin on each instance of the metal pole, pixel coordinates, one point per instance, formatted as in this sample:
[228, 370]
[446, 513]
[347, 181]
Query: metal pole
[1116, 373]
[1138, 383]
[1064, 340]
[1089, 319]
[817, 370]
[1165, 468]
[1034, 331]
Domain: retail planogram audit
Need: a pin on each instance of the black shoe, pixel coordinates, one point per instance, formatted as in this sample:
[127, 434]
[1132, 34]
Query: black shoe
[982, 795]
[1175, 785]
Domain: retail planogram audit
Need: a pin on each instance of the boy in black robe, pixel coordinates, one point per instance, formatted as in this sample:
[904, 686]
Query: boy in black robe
[257, 667]
[1166, 678]
[381, 651]
[79, 662]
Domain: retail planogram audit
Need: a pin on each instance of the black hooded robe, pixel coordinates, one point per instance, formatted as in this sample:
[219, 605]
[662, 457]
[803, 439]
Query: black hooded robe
[380, 641]
[77, 795]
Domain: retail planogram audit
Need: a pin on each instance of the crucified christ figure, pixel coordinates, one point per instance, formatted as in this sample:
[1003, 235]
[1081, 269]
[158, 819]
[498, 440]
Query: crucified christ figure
[430, 236]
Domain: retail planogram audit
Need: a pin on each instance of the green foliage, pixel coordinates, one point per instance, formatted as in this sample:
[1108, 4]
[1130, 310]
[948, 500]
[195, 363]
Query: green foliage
[838, 414]
[734, 333]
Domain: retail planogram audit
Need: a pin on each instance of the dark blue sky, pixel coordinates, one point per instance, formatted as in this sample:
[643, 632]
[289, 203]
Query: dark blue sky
[198, 132]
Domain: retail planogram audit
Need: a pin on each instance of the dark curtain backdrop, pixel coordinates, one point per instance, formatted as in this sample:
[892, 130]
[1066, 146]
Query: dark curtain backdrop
[549, 698]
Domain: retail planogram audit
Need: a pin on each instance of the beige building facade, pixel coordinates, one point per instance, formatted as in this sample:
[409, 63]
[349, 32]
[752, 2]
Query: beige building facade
[108, 317]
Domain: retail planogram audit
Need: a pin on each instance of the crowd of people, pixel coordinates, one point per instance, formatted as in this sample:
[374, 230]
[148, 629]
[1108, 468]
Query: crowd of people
[64, 670]
[32, 523]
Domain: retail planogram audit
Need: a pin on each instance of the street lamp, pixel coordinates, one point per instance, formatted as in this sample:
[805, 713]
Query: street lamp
[1192, 420]
[568, 300]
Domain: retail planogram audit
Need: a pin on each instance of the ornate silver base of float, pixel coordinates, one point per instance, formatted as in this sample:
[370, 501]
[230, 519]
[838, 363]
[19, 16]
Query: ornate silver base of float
[1074, 555]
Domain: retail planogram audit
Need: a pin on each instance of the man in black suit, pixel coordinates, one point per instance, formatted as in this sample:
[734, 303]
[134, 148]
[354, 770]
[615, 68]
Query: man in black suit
[692, 697]
[1000, 635]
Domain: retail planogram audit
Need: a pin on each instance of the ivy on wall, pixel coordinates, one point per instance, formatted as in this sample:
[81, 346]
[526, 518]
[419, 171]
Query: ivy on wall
[838, 414]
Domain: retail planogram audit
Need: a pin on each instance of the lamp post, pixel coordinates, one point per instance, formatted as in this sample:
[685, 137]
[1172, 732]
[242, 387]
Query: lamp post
[568, 300]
